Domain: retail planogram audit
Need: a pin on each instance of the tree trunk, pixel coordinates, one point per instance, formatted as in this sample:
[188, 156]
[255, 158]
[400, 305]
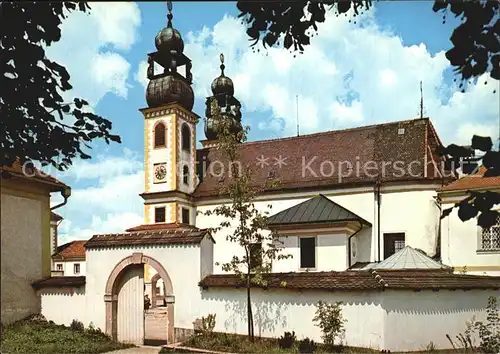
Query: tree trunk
[249, 310]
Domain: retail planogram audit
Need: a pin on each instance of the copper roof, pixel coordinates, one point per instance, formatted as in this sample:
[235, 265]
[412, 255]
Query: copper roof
[164, 236]
[71, 250]
[318, 209]
[366, 280]
[404, 141]
[31, 174]
[59, 282]
[475, 181]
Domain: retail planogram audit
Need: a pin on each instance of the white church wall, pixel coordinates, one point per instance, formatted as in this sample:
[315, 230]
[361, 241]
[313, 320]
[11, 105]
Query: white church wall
[460, 246]
[63, 305]
[182, 264]
[390, 320]
[186, 158]
[414, 319]
[412, 212]
[277, 311]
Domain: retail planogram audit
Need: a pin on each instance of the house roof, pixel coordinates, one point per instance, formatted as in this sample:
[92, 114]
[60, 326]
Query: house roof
[409, 258]
[318, 209]
[70, 250]
[165, 236]
[475, 181]
[362, 280]
[291, 160]
[59, 282]
[31, 174]
[161, 226]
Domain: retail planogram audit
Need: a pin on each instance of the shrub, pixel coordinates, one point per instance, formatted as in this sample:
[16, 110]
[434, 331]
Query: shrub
[307, 345]
[208, 324]
[287, 340]
[77, 326]
[489, 333]
[329, 318]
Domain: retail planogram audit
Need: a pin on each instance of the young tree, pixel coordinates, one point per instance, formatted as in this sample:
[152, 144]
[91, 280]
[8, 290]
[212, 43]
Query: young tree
[243, 223]
[37, 124]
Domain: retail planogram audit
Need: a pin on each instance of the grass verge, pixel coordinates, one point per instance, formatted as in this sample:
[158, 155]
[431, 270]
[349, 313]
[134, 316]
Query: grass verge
[26, 337]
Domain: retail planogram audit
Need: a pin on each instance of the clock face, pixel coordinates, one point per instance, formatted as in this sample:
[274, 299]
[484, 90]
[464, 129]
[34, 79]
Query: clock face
[160, 172]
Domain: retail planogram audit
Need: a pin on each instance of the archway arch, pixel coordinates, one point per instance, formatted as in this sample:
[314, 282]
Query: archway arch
[111, 292]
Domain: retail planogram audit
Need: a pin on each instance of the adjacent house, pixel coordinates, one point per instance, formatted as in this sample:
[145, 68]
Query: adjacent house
[69, 260]
[465, 245]
[26, 237]
[55, 221]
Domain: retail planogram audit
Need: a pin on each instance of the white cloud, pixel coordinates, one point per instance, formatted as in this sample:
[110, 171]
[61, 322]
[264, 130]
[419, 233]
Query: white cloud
[88, 49]
[384, 86]
[111, 203]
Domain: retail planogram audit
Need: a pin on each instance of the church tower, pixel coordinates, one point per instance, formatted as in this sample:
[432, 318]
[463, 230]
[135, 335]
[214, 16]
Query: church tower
[169, 132]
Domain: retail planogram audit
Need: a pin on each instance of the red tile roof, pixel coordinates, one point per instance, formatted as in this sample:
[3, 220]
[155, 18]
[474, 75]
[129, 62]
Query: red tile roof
[160, 226]
[165, 236]
[362, 280]
[70, 250]
[358, 146]
[31, 174]
[475, 181]
[59, 282]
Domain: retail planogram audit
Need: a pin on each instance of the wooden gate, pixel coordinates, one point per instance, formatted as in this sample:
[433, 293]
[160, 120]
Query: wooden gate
[130, 314]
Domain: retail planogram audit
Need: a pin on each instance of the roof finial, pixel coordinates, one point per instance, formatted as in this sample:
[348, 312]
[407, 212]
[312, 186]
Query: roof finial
[222, 66]
[169, 16]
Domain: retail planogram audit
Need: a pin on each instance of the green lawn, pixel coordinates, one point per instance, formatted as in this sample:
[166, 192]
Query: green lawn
[232, 343]
[30, 338]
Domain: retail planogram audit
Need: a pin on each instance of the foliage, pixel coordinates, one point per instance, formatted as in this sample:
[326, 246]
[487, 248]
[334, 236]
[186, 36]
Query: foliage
[249, 227]
[77, 326]
[233, 343]
[477, 204]
[38, 337]
[329, 318]
[38, 124]
[488, 333]
[287, 340]
[208, 324]
[307, 345]
[476, 41]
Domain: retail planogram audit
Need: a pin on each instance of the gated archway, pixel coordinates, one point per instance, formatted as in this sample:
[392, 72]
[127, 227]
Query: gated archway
[119, 276]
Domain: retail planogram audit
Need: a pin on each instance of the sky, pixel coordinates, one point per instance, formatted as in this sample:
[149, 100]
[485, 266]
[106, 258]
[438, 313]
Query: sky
[351, 75]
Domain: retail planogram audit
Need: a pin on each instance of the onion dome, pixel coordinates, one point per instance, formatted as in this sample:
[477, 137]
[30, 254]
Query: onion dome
[169, 89]
[222, 84]
[169, 39]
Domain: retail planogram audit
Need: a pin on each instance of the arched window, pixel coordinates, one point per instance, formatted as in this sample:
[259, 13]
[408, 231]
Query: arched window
[185, 175]
[186, 138]
[160, 132]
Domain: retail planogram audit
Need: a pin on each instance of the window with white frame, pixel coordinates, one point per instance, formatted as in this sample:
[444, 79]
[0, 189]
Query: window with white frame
[59, 267]
[490, 237]
[76, 268]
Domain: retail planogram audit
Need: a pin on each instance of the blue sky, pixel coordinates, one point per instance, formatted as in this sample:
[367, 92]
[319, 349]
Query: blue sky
[392, 48]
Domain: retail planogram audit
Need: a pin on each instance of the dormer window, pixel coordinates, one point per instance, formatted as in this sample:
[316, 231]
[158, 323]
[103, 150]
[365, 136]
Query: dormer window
[160, 132]
[186, 138]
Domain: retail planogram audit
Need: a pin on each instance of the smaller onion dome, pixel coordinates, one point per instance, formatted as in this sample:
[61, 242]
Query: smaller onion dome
[169, 38]
[222, 84]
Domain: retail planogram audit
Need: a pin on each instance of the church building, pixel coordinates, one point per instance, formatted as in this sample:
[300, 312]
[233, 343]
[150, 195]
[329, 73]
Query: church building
[356, 208]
